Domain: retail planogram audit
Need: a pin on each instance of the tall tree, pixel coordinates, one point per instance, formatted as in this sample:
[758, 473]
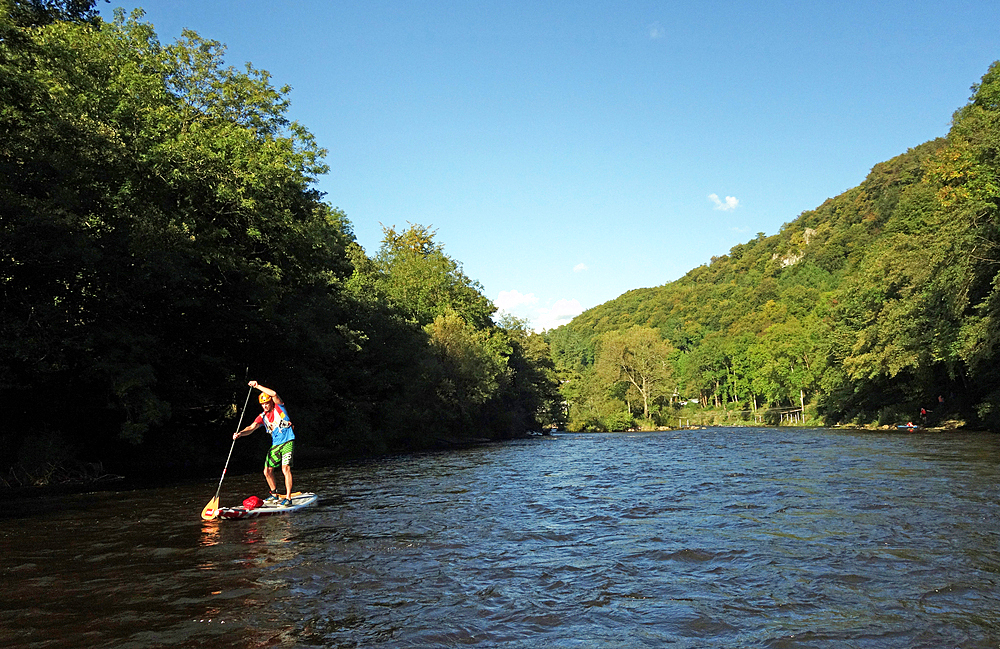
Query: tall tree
[637, 356]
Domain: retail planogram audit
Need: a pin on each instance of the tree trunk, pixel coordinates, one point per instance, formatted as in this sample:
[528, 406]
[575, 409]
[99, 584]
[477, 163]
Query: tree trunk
[645, 398]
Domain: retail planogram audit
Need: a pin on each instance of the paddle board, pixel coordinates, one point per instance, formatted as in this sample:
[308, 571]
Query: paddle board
[299, 500]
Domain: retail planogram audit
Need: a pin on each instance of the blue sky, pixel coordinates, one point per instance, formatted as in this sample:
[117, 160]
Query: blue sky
[567, 152]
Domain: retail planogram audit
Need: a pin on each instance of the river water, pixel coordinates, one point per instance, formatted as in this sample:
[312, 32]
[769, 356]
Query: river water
[703, 538]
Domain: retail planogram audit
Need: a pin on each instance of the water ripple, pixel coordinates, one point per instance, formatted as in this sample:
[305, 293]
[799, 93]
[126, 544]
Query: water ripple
[713, 538]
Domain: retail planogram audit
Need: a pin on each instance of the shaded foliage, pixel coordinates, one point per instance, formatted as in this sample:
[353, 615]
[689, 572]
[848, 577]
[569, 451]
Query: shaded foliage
[162, 242]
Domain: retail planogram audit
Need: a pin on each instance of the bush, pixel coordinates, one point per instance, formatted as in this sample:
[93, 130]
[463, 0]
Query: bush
[619, 421]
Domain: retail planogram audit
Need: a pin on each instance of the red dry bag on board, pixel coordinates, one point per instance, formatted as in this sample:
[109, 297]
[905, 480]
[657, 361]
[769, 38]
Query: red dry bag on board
[253, 502]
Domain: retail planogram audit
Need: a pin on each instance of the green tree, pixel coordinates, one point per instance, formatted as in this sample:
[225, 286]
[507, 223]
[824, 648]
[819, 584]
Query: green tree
[413, 272]
[529, 397]
[473, 361]
[637, 356]
[158, 227]
[26, 13]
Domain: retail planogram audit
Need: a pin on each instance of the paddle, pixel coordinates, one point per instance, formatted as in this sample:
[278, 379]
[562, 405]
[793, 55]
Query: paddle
[211, 511]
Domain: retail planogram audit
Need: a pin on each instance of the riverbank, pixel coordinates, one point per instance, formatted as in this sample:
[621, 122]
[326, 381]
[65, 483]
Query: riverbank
[64, 473]
[71, 476]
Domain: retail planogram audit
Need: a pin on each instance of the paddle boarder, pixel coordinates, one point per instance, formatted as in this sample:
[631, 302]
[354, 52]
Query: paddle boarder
[275, 420]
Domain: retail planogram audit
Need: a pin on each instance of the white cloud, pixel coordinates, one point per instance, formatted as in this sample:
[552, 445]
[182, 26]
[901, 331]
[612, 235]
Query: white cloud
[728, 206]
[558, 314]
[525, 306]
[655, 31]
[579, 268]
[510, 300]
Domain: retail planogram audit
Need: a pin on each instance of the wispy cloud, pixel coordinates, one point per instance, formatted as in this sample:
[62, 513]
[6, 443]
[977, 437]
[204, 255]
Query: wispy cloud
[655, 31]
[579, 268]
[728, 206]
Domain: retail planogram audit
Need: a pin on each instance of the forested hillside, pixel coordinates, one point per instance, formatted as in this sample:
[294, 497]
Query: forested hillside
[879, 302]
[161, 242]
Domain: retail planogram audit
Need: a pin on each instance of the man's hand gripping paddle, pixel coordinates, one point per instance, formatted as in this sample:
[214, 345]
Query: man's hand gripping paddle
[211, 511]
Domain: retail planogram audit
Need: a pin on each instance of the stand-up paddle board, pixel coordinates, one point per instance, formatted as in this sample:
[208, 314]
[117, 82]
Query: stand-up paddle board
[299, 501]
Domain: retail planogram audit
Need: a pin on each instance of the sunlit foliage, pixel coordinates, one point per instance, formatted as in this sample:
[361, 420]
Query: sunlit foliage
[879, 302]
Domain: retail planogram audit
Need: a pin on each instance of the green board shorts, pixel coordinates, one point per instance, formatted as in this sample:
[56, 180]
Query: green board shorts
[280, 455]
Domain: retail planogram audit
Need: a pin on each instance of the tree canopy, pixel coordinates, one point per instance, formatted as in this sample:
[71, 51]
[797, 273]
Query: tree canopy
[163, 241]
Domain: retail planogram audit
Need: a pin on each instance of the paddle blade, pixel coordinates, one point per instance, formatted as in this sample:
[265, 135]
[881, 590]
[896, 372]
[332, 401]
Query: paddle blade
[211, 511]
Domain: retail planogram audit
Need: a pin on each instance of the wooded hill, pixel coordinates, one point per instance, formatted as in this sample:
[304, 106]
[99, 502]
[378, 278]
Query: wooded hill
[162, 243]
[879, 302]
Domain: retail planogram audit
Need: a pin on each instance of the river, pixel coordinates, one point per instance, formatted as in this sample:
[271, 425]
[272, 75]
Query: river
[719, 537]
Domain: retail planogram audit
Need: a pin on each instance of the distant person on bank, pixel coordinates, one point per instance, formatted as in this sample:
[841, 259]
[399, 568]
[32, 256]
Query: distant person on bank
[275, 420]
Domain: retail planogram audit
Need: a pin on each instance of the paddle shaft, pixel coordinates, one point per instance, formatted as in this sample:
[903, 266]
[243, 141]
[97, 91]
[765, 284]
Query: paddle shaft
[233, 445]
[219, 490]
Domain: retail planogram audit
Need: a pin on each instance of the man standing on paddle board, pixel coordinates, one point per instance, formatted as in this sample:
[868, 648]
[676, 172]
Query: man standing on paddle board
[275, 420]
